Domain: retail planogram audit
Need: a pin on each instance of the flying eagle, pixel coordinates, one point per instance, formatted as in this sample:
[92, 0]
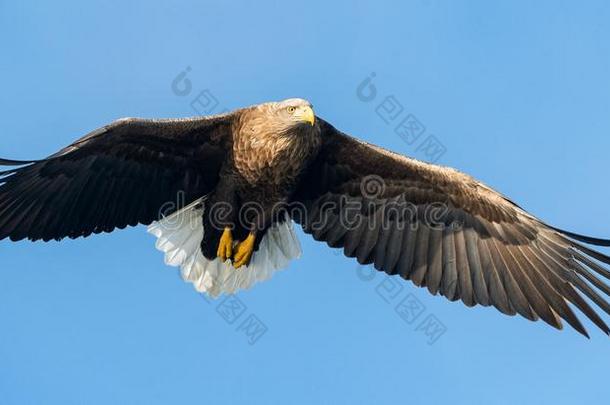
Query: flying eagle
[221, 193]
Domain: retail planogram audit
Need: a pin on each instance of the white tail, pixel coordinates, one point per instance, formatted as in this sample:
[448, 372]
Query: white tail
[179, 237]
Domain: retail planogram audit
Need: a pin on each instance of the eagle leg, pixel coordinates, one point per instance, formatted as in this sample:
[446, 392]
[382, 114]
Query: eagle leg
[225, 245]
[244, 250]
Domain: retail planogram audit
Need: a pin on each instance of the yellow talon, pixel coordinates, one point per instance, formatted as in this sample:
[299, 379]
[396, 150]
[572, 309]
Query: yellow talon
[225, 246]
[244, 251]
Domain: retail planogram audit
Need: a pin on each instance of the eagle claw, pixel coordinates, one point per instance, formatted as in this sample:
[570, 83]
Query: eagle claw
[244, 251]
[225, 246]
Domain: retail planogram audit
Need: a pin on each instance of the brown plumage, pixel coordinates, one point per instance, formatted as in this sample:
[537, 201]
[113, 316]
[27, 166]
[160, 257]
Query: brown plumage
[433, 225]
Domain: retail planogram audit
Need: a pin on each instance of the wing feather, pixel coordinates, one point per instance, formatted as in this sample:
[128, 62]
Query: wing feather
[449, 286]
[117, 176]
[480, 248]
[462, 266]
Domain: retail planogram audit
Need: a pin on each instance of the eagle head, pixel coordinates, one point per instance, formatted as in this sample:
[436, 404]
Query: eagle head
[296, 111]
[291, 116]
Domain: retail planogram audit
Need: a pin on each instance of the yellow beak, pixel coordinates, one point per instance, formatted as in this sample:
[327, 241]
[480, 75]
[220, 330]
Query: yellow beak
[308, 116]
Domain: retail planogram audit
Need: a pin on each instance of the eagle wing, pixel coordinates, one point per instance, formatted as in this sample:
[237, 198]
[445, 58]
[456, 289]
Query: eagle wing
[448, 232]
[122, 174]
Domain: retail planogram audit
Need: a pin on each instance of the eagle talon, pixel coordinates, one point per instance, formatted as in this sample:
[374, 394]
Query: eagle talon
[244, 251]
[225, 246]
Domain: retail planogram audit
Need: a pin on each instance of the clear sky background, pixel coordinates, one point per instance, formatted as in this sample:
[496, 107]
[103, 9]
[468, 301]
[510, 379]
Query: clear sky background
[517, 93]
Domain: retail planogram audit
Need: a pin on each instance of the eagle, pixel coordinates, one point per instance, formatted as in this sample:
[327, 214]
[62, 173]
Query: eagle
[221, 194]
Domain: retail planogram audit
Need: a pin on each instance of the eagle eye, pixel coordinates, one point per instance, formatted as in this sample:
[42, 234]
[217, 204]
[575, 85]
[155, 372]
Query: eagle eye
[291, 109]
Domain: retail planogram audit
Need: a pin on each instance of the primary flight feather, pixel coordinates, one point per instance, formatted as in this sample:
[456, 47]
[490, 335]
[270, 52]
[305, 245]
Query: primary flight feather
[220, 194]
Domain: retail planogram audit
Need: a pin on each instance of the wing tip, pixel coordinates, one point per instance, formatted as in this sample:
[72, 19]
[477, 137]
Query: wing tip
[583, 238]
[12, 162]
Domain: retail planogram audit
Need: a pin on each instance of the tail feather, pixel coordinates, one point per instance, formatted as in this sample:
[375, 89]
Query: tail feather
[179, 237]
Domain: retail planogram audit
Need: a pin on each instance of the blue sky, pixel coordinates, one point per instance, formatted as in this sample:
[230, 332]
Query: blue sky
[517, 94]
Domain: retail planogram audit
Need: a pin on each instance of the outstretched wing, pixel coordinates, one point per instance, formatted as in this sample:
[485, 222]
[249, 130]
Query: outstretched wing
[121, 174]
[444, 230]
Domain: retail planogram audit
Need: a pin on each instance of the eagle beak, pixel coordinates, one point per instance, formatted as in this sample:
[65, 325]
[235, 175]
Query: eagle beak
[308, 116]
